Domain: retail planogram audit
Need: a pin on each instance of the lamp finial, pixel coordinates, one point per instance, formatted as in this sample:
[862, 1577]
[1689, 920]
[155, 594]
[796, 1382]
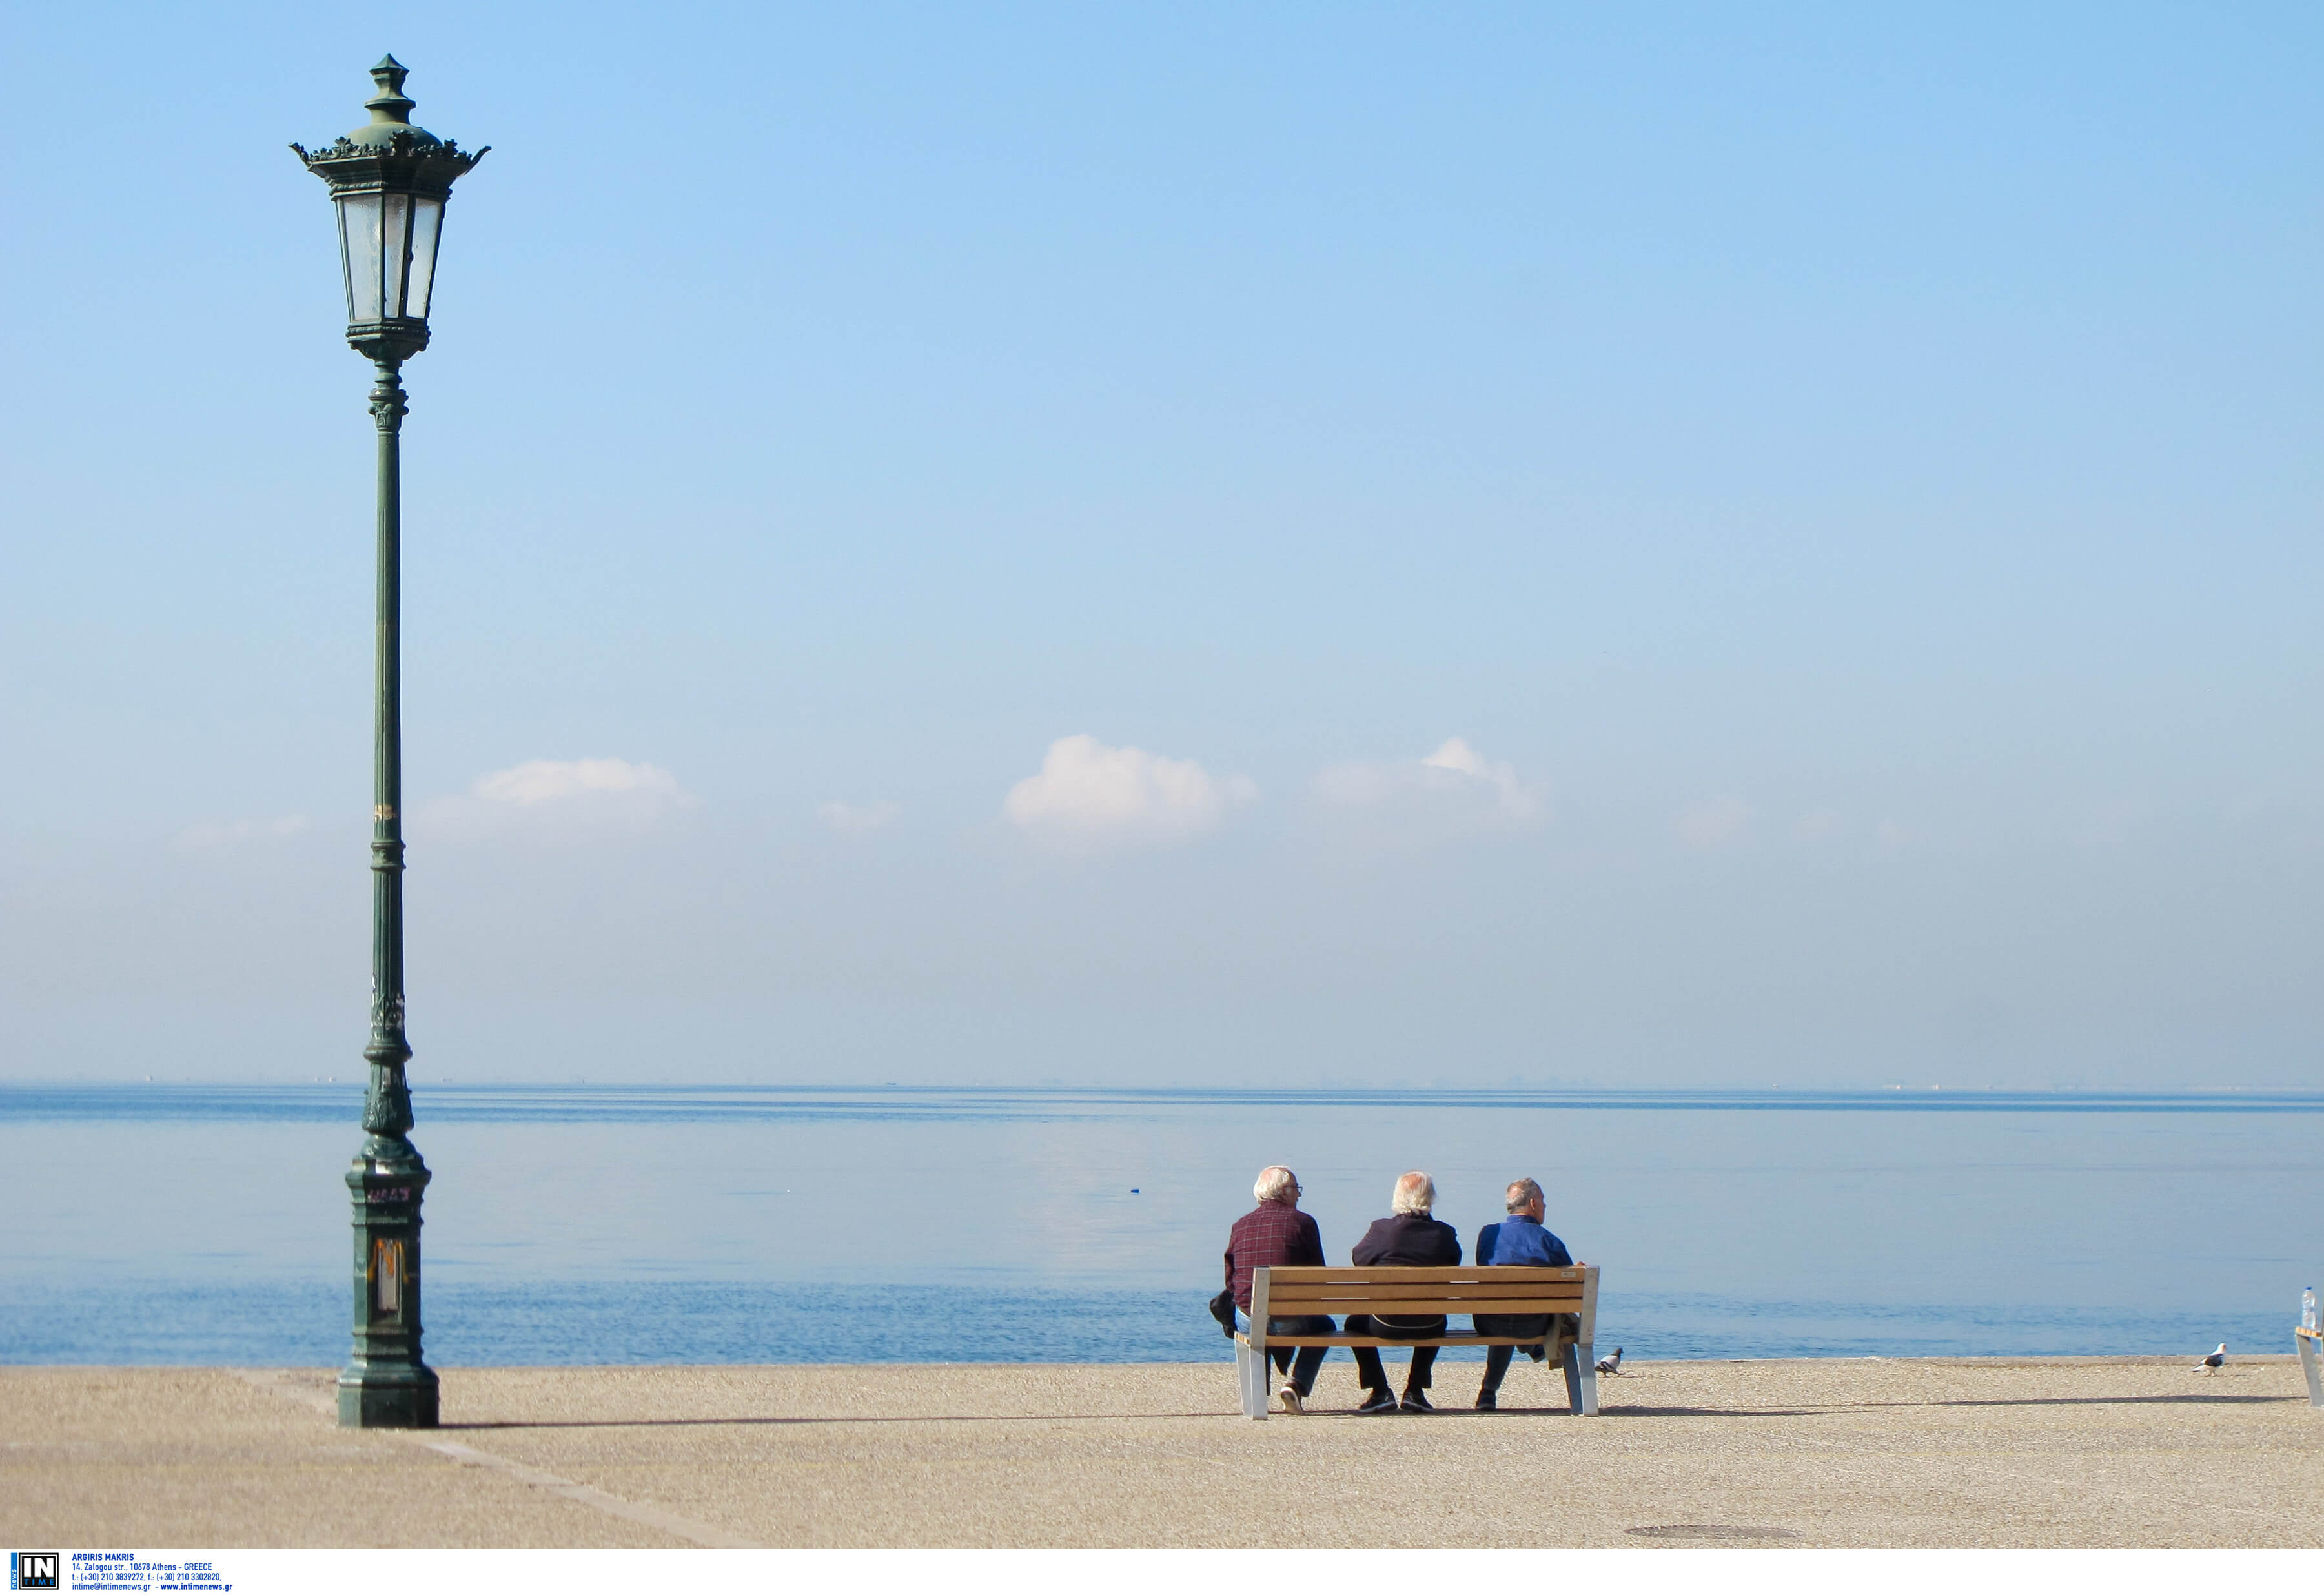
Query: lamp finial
[390, 105]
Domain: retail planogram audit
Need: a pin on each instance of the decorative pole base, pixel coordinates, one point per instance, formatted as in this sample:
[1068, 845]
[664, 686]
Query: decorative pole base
[388, 1398]
[386, 1385]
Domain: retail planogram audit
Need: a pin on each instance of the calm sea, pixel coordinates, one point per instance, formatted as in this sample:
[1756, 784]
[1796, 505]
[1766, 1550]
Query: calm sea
[595, 1224]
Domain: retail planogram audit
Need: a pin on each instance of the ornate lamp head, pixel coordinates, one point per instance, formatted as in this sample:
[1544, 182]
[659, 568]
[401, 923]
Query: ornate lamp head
[390, 180]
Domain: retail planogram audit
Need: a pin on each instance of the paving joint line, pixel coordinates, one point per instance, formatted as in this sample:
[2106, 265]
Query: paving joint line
[587, 1495]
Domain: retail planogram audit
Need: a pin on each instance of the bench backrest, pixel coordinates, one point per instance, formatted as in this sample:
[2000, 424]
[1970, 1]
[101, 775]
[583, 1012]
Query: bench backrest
[1423, 1293]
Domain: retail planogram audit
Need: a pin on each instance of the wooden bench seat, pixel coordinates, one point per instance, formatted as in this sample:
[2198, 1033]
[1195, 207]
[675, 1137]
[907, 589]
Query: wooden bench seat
[1425, 1293]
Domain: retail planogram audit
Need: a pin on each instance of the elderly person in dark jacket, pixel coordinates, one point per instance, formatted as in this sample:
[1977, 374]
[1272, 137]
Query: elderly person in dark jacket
[1408, 1238]
[1276, 1235]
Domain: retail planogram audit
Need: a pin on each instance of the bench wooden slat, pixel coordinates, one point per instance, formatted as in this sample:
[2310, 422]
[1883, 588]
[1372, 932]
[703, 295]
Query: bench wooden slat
[1487, 1279]
[1276, 1307]
[1554, 1290]
[1385, 1344]
[1423, 1305]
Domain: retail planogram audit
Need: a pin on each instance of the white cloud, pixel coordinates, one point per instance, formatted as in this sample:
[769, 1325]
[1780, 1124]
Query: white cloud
[548, 780]
[1457, 758]
[1454, 771]
[849, 816]
[220, 835]
[553, 795]
[1089, 790]
[1713, 823]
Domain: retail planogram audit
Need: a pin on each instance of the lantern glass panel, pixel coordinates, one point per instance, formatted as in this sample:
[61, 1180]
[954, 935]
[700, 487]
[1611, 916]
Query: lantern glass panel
[394, 250]
[426, 226]
[359, 231]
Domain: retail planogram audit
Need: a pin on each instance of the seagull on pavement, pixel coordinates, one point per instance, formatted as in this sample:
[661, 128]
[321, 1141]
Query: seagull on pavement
[1610, 1364]
[2215, 1361]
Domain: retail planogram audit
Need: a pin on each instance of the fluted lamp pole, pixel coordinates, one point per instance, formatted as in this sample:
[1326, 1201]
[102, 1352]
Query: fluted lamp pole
[389, 181]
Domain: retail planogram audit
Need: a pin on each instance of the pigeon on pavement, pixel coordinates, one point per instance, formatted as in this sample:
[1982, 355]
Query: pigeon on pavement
[2215, 1361]
[1614, 1364]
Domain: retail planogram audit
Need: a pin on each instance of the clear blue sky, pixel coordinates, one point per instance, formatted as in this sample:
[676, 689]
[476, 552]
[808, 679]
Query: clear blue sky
[1846, 477]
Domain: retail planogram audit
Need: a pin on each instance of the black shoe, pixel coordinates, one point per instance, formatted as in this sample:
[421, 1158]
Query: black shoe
[1376, 1402]
[1417, 1401]
[1487, 1401]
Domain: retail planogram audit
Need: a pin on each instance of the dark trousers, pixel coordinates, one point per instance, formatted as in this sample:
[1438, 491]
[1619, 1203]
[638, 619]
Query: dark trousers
[1497, 1366]
[1498, 1358]
[1368, 1357]
[1302, 1368]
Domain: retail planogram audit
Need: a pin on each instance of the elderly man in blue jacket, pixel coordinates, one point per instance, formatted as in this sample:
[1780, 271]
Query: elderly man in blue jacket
[1520, 1240]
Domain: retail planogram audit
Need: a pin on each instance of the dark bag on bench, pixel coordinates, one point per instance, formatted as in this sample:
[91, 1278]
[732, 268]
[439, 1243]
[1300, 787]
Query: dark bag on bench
[1223, 1308]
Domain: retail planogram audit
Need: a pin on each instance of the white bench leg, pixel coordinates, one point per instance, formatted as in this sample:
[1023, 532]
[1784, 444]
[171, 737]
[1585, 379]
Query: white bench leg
[2308, 1360]
[1251, 1369]
[1583, 1380]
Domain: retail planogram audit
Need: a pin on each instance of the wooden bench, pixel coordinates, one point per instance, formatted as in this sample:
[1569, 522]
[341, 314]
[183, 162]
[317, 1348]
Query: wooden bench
[2305, 1340]
[1423, 1293]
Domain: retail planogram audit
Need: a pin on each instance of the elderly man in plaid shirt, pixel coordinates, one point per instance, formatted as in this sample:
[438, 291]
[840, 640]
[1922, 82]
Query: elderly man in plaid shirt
[1276, 1235]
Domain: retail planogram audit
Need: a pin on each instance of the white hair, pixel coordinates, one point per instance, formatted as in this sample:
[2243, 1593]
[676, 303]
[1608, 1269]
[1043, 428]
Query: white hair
[1521, 1194]
[1275, 1184]
[1415, 1193]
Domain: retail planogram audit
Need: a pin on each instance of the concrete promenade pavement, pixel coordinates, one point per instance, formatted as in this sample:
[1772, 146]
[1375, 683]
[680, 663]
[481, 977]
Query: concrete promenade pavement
[2037, 1452]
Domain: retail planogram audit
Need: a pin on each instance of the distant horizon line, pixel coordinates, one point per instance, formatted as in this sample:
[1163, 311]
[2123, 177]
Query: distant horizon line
[1884, 1091]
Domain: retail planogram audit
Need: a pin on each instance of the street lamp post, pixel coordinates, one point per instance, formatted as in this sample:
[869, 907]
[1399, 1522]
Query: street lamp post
[389, 180]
